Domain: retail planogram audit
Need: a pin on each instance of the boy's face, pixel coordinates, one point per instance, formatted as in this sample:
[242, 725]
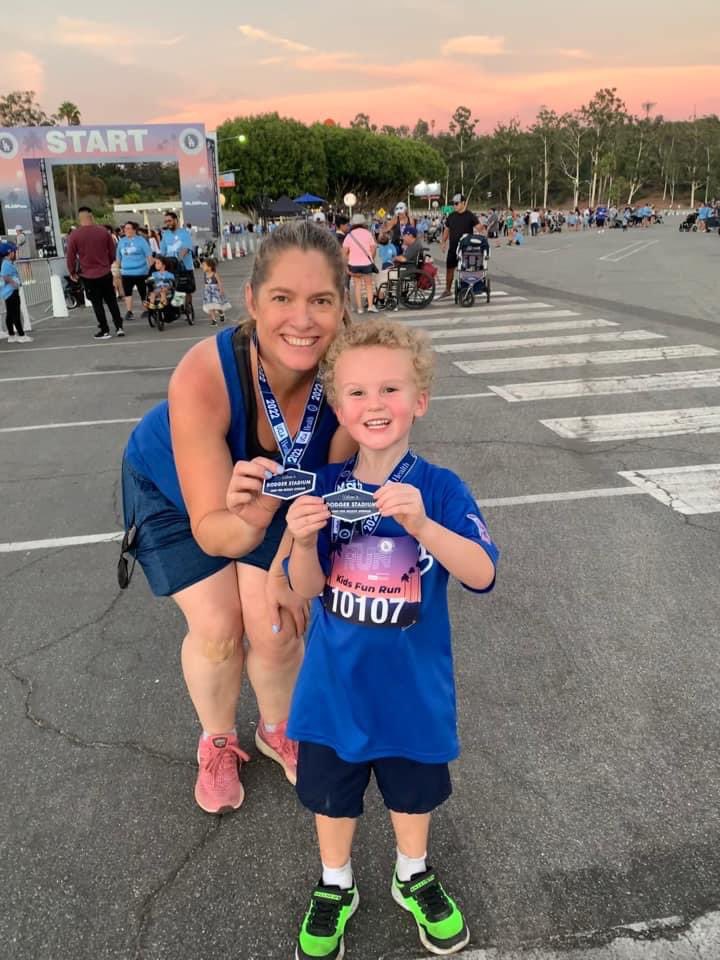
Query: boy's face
[377, 395]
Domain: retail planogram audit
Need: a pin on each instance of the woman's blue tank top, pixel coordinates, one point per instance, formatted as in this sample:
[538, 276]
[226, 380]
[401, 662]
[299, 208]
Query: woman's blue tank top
[149, 449]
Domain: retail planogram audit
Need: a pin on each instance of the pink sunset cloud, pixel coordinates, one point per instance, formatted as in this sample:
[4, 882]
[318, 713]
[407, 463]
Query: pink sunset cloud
[400, 92]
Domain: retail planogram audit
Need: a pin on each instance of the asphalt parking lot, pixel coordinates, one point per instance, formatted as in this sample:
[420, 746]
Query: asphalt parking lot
[587, 795]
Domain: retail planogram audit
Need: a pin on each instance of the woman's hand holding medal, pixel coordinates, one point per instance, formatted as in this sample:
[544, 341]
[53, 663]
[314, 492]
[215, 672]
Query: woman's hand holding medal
[306, 518]
[403, 503]
[244, 496]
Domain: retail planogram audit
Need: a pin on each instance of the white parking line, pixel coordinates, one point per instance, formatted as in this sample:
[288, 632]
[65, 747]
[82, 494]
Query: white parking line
[591, 358]
[605, 386]
[560, 497]
[630, 253]
[21, 546]
[637, 426]
[486, 345]
[100, 344]
[71, 423]
[688, 490]
[536, 327]
[86, 373]
[458, 320]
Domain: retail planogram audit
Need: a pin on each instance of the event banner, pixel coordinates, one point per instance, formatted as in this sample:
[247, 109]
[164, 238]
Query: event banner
[187, 145]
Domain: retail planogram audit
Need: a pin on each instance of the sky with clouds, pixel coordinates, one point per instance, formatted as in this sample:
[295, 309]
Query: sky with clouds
[396, 61]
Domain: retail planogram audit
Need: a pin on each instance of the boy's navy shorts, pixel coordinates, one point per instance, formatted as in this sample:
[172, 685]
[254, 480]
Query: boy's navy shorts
[164, 545]
[332, 787]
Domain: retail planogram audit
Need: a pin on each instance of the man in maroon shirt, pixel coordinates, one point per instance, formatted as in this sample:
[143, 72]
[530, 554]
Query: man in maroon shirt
[90, 254]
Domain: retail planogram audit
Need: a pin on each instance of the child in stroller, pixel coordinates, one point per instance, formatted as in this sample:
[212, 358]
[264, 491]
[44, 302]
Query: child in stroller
[160, 285]
[471, 278]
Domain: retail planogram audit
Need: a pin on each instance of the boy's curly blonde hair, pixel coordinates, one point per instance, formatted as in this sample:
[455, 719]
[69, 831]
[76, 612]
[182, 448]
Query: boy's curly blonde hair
[380, 333]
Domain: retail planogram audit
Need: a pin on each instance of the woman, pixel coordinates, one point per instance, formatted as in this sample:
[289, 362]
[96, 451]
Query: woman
[192, 489]
[133, 259]
[359, 249]
[401, 219]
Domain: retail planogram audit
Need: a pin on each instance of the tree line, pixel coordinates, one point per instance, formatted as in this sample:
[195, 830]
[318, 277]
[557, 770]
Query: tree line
[597, 153]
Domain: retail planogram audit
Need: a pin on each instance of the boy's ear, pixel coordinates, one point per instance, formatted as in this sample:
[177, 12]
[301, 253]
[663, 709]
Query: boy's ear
[422, 404]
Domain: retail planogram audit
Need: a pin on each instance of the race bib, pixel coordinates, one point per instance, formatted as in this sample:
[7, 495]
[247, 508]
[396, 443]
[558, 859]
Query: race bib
[374, 581]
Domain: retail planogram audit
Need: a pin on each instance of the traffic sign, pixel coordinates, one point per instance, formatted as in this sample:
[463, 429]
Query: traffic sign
[382, 212]
[349, 199]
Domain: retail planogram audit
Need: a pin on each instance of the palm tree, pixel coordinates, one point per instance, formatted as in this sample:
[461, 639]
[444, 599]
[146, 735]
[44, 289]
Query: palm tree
[70, 113]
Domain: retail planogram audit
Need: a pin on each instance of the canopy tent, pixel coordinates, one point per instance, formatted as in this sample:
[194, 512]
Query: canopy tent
[309, 198]
[285, 207]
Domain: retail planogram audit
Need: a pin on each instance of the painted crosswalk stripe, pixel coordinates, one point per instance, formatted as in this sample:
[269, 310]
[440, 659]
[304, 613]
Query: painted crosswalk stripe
[538, 326]
[459, 319]
[482, 304]
[486, 345]
[688, 490]
[591, 358]
[604, 386]
[637, 426]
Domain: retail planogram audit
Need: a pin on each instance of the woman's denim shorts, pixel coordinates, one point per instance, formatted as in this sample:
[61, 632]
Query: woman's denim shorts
[164, 545]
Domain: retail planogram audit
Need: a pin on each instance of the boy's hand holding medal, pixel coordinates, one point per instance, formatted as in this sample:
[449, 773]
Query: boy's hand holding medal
[244, 495]
[306, 518]
[403, 503]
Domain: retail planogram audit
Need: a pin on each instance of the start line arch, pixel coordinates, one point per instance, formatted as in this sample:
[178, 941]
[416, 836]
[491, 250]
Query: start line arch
[27, 155]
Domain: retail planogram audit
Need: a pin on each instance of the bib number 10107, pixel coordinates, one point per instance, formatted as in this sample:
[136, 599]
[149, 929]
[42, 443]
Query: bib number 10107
[369, 611]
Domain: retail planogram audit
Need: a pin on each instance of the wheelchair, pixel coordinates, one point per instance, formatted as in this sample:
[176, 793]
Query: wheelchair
[406, 286]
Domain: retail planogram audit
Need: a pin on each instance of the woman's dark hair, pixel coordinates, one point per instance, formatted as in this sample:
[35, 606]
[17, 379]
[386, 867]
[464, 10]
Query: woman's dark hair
[306, 236]
[211, 262]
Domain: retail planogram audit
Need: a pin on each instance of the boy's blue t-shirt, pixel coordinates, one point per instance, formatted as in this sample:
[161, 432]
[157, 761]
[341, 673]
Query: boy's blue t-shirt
[133, 253]
[8, 271]
[162, 278]
[370, 690]
[387, 252]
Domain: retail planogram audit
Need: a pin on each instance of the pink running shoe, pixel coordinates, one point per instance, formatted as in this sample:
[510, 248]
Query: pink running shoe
[277, 746]
[218, 788]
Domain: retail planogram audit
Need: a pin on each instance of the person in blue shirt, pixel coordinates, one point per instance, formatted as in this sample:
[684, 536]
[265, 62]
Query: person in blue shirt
[10, 284]
[134, 257]
[177, 242]
[376, 692]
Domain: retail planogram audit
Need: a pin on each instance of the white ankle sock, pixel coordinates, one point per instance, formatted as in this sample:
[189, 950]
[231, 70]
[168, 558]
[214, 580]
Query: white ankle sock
[227, 733]
[407, 867]
[270, 727]
[338, 876]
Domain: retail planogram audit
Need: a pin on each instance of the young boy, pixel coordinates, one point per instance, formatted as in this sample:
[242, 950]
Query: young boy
[376, 688]
[161, 286]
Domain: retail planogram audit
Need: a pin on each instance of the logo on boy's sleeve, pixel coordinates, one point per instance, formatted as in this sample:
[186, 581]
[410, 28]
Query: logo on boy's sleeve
[482, 530]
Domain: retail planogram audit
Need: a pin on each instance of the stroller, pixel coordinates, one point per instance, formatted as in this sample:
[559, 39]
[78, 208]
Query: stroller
[689, 223]
[471, 279]
[177, 304]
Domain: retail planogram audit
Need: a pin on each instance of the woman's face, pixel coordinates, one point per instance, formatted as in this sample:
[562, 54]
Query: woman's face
[129, 230]
[297, 310]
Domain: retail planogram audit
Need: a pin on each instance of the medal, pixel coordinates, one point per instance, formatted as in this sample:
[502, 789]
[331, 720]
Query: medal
[289, 484]
[292, 482]
[350, 504]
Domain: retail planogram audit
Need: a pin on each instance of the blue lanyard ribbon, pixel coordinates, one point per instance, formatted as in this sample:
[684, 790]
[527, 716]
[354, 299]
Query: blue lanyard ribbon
[345, 479]
[292, 450]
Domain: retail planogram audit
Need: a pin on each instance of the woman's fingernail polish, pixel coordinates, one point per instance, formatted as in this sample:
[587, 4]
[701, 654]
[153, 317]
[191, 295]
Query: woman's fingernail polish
[276, 628]
[268, 474]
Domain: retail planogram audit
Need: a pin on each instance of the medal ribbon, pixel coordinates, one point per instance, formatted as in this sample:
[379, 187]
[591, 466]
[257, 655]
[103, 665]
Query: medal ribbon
[292, 450]
[369, 524]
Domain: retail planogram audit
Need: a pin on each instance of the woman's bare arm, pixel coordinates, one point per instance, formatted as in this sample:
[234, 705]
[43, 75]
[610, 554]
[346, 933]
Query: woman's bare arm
[199, 422]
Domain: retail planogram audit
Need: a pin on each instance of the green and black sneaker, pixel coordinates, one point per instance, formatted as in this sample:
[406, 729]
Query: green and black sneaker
[322, 930]
[440, 923]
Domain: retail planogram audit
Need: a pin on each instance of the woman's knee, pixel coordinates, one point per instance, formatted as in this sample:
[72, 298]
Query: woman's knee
[217, 634]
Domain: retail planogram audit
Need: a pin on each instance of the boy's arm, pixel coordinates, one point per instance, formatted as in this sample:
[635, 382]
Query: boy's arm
[306, 574]
[466, 560]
